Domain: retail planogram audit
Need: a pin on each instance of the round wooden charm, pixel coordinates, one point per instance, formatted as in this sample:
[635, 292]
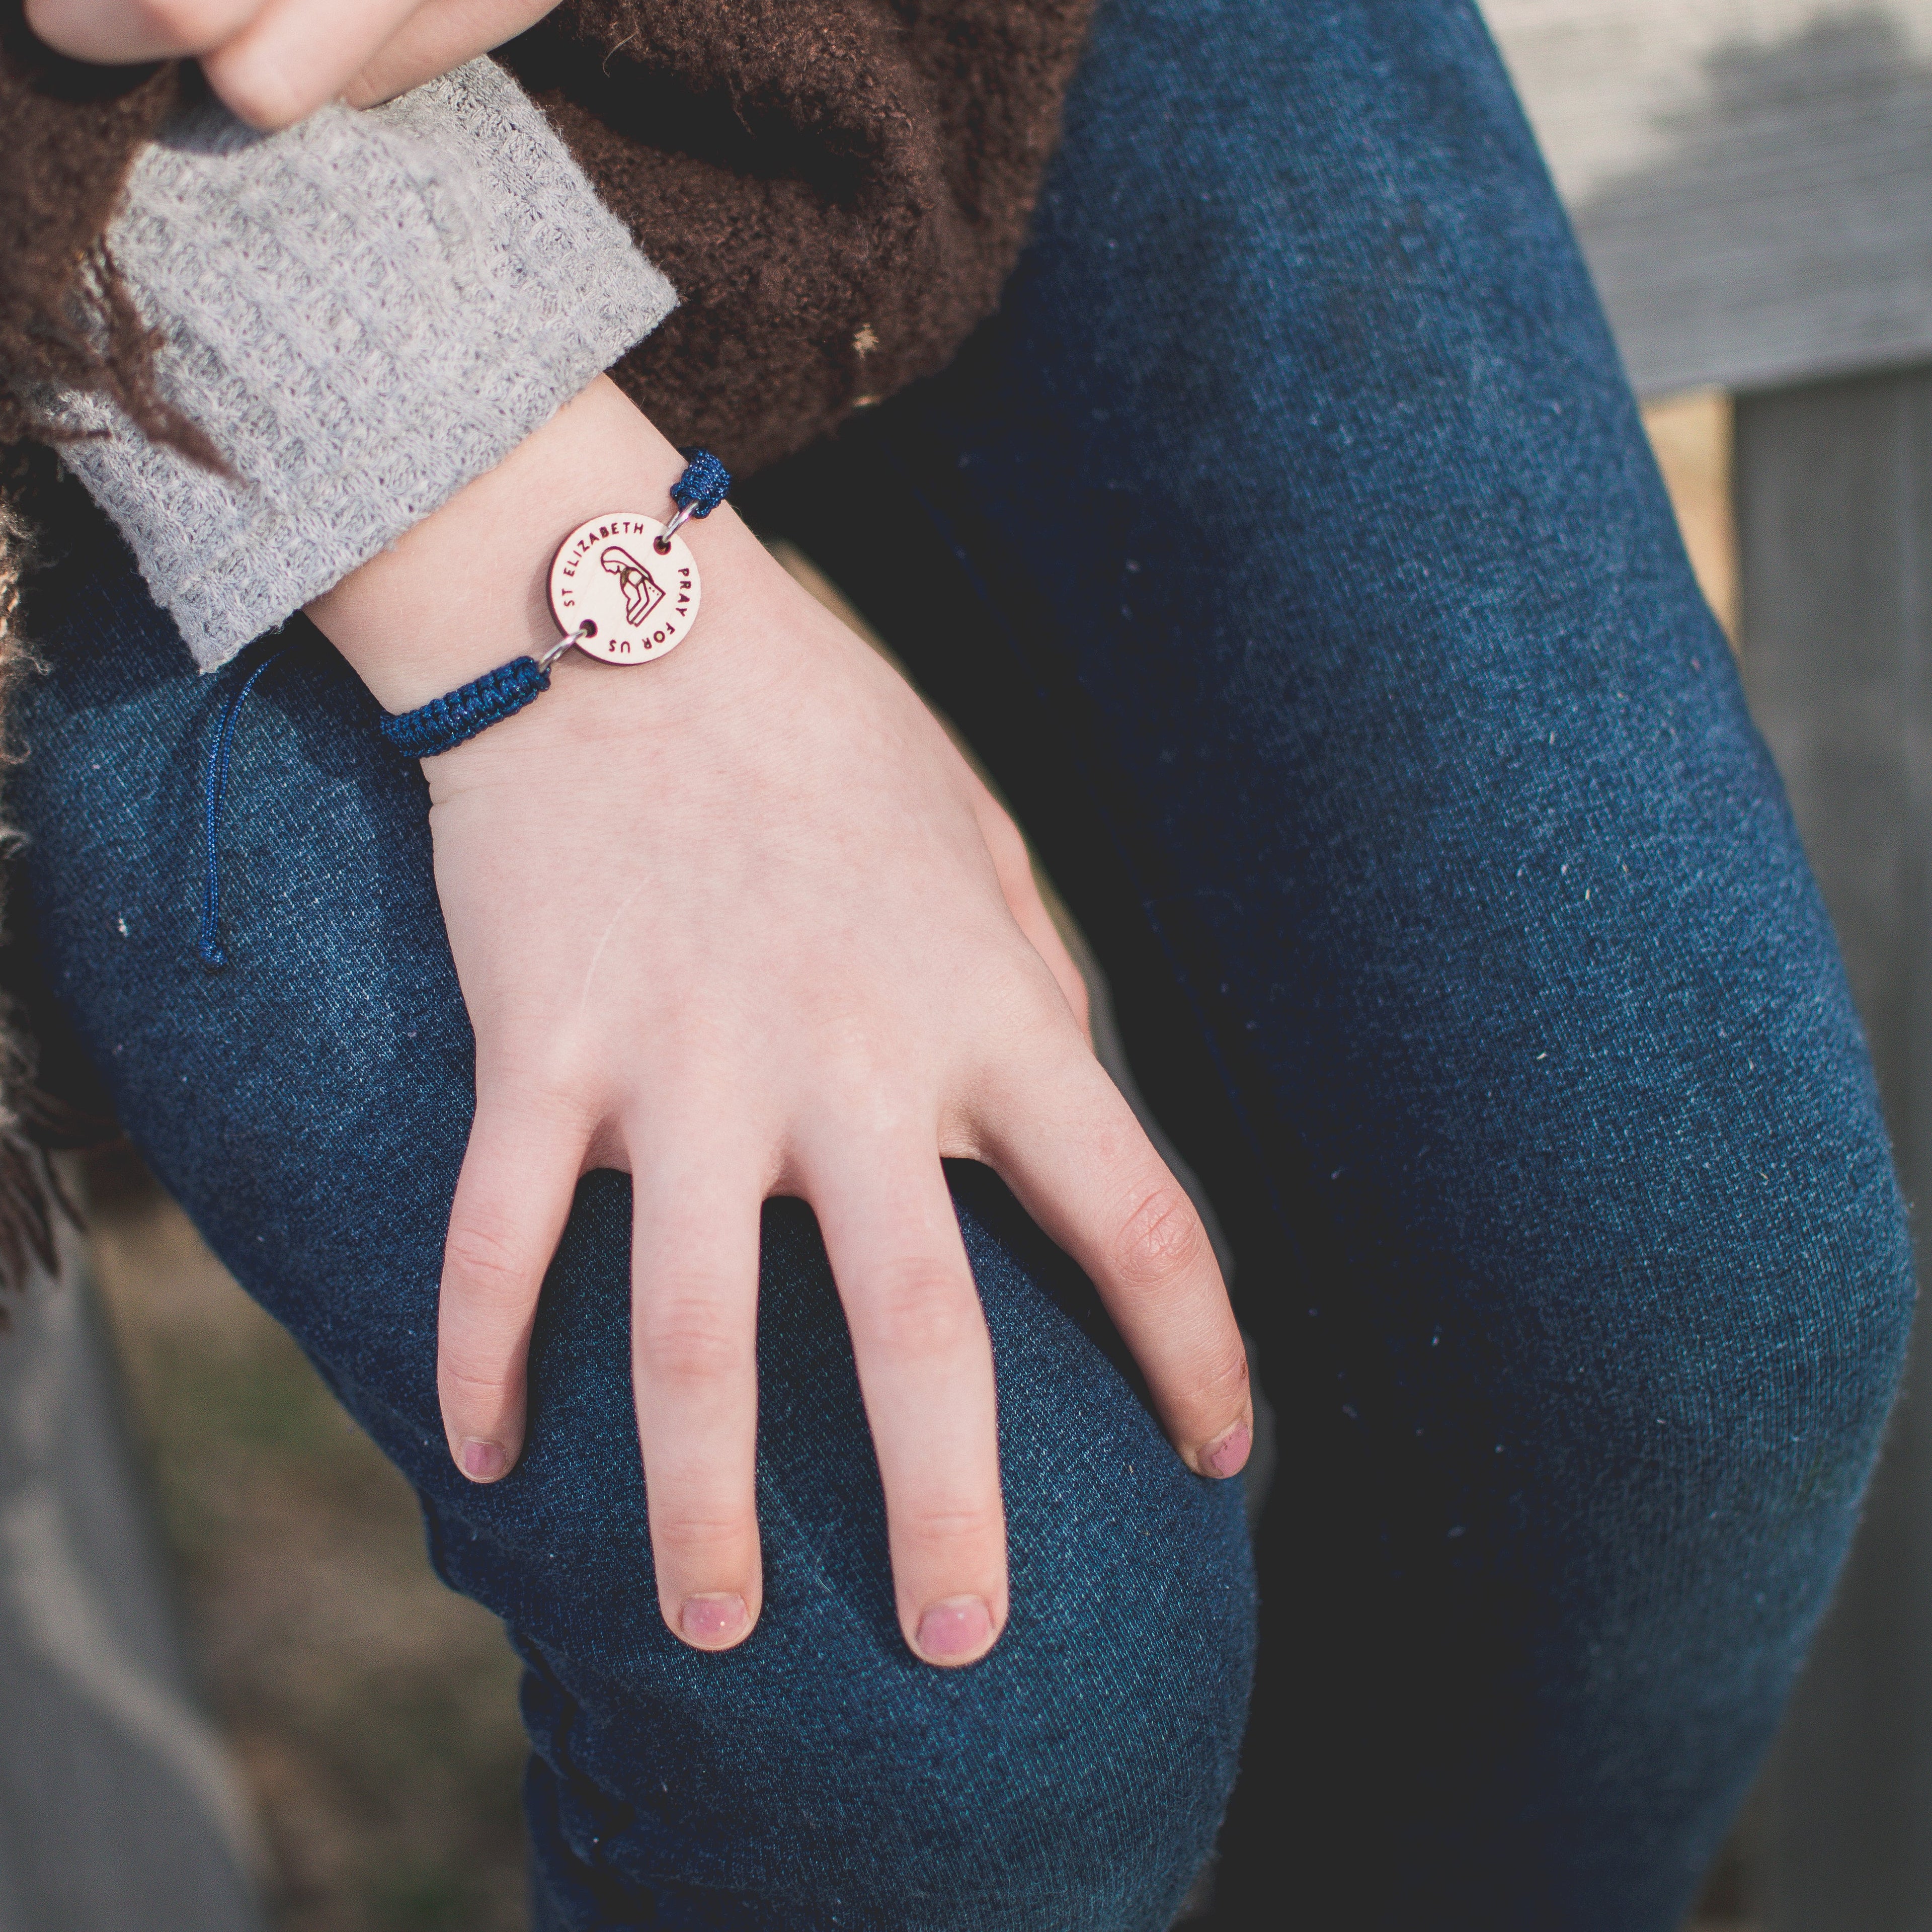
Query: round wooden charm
[611, 573]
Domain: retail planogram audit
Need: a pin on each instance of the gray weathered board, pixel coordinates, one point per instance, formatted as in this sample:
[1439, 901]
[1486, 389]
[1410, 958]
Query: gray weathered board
[1749, 178]
[1834, 500]
[119, 1811]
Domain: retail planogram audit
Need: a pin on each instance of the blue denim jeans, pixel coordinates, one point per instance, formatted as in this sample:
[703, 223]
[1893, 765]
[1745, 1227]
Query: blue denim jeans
[1289, 547]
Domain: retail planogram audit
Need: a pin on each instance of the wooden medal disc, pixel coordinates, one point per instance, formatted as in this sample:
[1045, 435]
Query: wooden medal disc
[642, 600]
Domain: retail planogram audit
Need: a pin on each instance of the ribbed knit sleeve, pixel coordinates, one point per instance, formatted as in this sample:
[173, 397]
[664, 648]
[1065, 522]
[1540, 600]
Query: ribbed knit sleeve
[362, 313]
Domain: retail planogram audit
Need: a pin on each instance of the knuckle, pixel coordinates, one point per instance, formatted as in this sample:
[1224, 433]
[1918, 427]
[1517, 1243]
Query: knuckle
[486, 1257]
[867, 1064]
[1161, 1241]
[1034, 1008]
[690, 1339]
[1080, 1001]
[1041, 1034]
[863, 1078]
[919, 1311]
[947, 1524]
[1008, 846]
[260, 93]
[549, 1080]
[185, 24]
[1224, 1380]
[692, 1539]
[466, 1377]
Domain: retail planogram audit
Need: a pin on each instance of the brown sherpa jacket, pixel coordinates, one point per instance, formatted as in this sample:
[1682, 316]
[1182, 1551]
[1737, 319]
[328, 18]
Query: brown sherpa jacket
[837, 189]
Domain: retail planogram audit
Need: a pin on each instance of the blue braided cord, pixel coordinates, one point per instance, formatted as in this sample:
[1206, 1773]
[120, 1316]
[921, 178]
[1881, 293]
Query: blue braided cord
[456, 718]
[705, 484]
[214, 954]
[445, 722]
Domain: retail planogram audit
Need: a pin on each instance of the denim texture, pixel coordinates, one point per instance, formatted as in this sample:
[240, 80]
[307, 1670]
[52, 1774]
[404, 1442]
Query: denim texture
[1289, 547]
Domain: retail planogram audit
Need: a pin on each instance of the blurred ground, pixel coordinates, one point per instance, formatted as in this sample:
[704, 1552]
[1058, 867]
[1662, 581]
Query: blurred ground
[374, 1713]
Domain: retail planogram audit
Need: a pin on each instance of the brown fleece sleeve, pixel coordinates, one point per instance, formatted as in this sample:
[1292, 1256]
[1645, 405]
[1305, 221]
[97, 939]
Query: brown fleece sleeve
[837, 189]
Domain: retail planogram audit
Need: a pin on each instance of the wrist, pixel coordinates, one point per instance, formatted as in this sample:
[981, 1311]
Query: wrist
[466, 590]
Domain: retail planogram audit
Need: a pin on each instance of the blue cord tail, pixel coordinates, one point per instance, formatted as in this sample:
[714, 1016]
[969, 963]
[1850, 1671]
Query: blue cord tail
[214, 954]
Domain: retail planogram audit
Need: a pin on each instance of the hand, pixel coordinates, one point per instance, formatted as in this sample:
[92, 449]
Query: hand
[275, 61]
[744, 923]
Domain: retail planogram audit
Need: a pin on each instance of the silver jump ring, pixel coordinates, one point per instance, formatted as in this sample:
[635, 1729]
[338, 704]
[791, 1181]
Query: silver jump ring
[545, 664]
[661, 543]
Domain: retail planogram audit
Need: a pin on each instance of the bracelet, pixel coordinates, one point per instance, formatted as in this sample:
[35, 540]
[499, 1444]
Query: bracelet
[623, 589]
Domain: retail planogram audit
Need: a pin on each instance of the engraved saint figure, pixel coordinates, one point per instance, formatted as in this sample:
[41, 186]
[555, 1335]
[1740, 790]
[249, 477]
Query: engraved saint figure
[641, 594]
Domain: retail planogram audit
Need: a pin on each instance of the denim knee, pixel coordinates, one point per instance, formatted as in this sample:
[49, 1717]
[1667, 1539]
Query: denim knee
[819, 1776]
[1692, 1389]
[1762, 1334]
[1580, 1441]
[1748, 1407]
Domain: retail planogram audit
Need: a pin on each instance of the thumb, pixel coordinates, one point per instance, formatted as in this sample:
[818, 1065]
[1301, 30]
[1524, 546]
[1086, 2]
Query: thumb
[440, 34]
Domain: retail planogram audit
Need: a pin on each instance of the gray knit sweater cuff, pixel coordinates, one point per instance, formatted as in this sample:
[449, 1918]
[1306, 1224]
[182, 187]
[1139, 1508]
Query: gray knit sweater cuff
[363, 313]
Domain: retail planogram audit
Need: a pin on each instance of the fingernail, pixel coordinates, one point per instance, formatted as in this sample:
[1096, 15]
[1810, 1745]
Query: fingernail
[483, 1462]
[712, 1619]
[960, 1626]
[1228, 1455]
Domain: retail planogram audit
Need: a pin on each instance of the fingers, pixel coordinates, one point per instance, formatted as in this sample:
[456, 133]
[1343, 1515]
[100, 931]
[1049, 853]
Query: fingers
[693, 1340]
[120, 30]
[294, 55]
[926, 1369]
[512, 1198]
[1069, 1146]
[276, 61]
[440, 34]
